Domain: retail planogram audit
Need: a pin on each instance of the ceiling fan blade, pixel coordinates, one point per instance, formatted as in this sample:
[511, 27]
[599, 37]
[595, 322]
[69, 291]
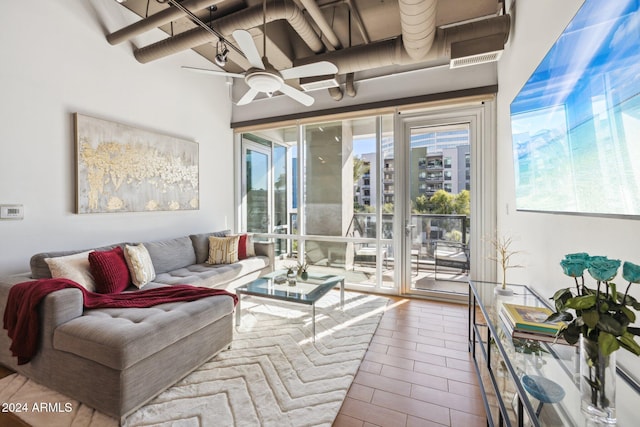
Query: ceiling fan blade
[214, 72]
[315, 69]
[247, 97]
[245, 41]
[299, 96]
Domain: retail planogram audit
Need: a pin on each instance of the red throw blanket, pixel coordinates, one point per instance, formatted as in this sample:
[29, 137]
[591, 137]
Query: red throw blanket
[21, 319]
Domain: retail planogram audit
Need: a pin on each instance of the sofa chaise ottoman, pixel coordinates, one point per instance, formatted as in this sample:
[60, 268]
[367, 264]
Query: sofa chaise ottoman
[117, 359]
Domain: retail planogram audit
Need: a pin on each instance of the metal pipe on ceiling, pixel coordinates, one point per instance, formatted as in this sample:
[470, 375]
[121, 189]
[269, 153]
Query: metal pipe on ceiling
[419, 42]
[336, 93]
[156, 20]
[244, 19]
[349, 85]
[392, 52]
[316, 14]
[418, 22]
[355, 13]
[353, 8]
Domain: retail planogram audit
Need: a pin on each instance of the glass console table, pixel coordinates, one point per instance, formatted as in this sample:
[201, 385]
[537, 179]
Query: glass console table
[513, 372]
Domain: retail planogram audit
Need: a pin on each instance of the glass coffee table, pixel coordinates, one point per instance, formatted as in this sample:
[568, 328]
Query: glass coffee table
[306, 291]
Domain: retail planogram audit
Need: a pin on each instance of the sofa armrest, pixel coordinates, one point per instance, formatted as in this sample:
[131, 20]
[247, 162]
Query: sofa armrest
[5, 286]
[266, 249]
[57, 308]
[62, 306]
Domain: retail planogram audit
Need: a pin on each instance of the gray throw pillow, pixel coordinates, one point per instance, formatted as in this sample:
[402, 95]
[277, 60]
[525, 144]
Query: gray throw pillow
[171, 254]
[201, 244]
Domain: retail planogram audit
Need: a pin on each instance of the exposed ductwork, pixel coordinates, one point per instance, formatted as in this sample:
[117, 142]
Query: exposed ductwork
[349, 85]
[392, 52]
[316, 14]
[358, 19]
[420, 41]
[418, 22]
[164, 17]
[336, 93]
[245, 19]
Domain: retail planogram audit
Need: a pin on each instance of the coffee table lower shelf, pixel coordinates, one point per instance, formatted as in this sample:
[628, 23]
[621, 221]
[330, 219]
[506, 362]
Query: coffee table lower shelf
[306, 292]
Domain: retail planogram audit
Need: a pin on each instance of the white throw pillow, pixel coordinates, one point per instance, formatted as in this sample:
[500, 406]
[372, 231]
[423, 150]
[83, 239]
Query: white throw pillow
[73, 267]
[140, 264]
[223, 250]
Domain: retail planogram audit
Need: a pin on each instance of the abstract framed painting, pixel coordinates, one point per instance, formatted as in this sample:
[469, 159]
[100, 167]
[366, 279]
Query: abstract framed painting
[120, 168]
[575, 123]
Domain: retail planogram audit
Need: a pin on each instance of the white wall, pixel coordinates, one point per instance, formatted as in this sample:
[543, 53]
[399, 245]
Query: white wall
[56, 61]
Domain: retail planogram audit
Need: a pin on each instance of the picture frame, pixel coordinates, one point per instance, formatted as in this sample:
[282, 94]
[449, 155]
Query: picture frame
[120, 168]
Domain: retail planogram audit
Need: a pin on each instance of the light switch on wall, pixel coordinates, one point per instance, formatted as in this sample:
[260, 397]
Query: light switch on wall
[11, 211]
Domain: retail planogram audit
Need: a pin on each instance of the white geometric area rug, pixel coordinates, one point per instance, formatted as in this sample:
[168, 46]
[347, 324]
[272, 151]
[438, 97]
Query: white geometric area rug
[273, 375]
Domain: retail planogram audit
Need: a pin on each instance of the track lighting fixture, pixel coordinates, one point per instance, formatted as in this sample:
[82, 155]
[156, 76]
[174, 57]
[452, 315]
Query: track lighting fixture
[221, 53]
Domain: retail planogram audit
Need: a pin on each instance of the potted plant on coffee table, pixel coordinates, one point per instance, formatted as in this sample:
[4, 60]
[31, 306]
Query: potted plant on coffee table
[302, 271]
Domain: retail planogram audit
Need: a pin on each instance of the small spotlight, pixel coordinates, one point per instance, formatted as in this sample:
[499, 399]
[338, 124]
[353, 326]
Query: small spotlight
[221, 53]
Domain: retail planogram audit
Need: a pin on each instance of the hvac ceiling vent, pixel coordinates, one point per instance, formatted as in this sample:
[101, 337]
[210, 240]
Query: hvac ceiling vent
[309, 84]
[476, 51]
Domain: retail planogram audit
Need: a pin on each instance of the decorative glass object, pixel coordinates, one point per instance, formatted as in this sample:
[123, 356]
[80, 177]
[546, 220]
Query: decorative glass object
[597, 382]
[291, 277]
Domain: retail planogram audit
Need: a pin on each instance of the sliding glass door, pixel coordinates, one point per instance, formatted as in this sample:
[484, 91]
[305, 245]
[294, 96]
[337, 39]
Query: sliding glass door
[443, 153]
[388, 201]
[438, 184]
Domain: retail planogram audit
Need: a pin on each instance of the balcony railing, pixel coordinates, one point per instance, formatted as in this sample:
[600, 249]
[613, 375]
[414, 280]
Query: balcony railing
[429, 234]
[427, 229]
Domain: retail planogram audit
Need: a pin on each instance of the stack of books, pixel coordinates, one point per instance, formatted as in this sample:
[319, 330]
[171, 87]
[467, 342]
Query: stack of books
[528, 322]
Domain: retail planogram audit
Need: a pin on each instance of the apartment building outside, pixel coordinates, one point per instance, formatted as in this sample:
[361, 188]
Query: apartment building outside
[440, 160]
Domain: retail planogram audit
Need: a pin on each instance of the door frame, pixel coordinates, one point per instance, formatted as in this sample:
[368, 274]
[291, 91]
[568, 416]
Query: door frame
[481, 119]
[248, 145]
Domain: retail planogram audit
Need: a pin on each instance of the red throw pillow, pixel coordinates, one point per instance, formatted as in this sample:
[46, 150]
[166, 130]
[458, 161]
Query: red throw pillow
[242, 247]
[110, 271]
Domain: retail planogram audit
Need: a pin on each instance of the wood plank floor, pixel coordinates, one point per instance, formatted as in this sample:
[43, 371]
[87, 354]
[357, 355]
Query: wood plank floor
[417, 371]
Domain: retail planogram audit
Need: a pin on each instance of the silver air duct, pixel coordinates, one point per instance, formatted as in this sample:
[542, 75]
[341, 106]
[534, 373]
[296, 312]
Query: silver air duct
[336, 93]
[163, 17]
[418, 22]
[316, 14]
[245, 19]
[392, 52]
[349, 86]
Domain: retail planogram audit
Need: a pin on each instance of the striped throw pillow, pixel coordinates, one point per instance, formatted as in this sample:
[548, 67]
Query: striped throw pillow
[223, 250]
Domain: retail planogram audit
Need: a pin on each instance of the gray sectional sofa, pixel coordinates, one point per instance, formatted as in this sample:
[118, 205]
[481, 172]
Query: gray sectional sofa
[117, 359]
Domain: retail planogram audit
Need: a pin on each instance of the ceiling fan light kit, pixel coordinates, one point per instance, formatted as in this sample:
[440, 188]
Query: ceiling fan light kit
[265, 82]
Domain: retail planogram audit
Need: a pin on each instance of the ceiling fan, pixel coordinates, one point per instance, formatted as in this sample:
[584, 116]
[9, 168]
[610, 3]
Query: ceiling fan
[262, 77]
